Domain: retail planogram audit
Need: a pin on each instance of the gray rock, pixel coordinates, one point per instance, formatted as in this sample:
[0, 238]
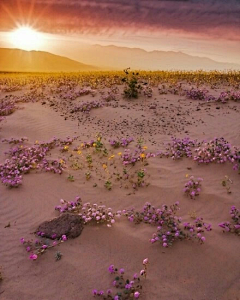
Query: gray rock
[67, 224]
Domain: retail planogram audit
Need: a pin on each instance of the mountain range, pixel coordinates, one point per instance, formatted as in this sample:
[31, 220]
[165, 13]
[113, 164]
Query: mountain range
[97, 57]
[136, 58]
[16, 60]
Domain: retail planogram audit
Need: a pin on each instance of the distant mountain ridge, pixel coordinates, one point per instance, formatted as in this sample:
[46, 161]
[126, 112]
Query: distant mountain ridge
[115, 57]
[97, 57]
[16, 60]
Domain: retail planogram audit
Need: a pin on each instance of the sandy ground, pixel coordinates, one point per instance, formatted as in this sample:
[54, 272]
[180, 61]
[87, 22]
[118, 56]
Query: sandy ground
[186, 271]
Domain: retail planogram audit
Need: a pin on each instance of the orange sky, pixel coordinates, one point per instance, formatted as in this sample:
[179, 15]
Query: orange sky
[209, 28]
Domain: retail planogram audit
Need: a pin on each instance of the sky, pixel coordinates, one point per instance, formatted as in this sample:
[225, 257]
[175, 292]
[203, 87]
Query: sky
[207, 28]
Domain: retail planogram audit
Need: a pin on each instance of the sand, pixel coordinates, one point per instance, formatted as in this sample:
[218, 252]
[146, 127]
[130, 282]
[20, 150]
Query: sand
[187, 270]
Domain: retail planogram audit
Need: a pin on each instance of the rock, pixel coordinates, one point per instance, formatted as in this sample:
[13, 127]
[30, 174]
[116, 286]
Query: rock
[67, 224]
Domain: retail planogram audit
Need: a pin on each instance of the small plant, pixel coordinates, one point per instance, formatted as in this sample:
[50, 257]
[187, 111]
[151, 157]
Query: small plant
[89, 161]
[132, 86]
[192, 187]
[108, 185]
[58, 255]
[140, 142]
[88, 175]
[140, 182]
[70, 178]
[123, 288]
[226, 183]
[192, 214]
[235, 226]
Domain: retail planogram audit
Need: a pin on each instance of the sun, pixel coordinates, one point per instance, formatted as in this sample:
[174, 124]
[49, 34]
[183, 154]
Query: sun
[26, 38]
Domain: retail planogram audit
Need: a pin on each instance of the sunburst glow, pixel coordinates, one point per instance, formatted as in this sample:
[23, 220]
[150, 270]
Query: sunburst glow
[27, 38]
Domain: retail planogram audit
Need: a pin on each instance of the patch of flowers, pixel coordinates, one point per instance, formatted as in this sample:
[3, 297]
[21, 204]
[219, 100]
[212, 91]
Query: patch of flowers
[197, 94]
[233, 227]
[132, 156]
[7, 107]
[179, 148]
[124, 142]
[193, 187]
[111, 95]
[23, 159]
[15, 140]
[41, 245]
[169, 228]
[123, 287]
[69, 94]
[89, 212]
[86, 107]
[234, 158]
[216, 150]
[147, 91]
[224, 97]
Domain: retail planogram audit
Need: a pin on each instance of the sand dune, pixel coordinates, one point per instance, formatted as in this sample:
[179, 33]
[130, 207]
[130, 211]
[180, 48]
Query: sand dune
[186, 271]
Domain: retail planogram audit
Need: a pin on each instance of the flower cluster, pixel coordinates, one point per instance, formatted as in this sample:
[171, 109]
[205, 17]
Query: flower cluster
[23, 159]
[41, 245]
[216, 150]
[7, 107]
[235, 227]
[179, 148]
[70, 94]
[124, 142]
[193, 187]
[86, 107]
[70, 206]
[224, 97]
[89, 212]
[169, 227]
[132, 156]
[197, 94]
[123, 288]
[147, 91]
[111, 95]
[234, 158]
[15, 140]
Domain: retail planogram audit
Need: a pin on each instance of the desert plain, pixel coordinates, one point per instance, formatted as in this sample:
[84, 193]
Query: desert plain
[121, 152]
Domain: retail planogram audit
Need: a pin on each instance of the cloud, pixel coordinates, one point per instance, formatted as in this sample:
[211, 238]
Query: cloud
[213, 18]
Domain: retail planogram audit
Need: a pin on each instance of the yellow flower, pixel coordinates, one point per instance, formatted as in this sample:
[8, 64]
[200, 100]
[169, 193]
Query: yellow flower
[79, 152]
[82, 145]
[36, 142]
[186, 175]
[112, 156]
[99, 139]
[94, 144]
[145, 147]
[119, 153]
[61, 161]
[104, 166]
[65, 147]
[142, 155]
